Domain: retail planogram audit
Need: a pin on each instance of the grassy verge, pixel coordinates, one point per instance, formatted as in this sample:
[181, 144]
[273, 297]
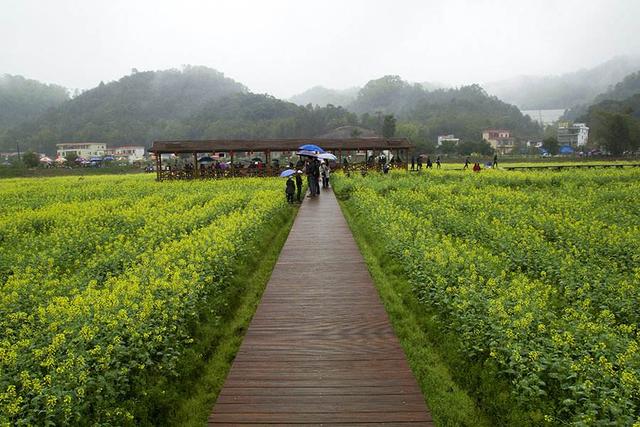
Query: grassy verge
[188, 399]
[430, 354]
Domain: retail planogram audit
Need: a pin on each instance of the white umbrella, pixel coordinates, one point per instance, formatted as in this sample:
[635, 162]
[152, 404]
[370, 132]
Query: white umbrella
[45, 159]
[327, 156]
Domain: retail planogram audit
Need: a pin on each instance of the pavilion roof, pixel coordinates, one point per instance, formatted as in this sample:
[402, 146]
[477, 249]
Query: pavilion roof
[290, 144]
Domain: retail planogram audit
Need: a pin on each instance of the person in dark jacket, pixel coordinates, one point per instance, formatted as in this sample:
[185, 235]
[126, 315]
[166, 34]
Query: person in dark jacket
[316, 175]
[429, 164]
[290, 189]
[299, 186]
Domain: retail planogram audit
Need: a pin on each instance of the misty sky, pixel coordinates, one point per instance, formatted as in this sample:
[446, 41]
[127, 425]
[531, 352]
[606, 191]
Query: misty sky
[285, 47]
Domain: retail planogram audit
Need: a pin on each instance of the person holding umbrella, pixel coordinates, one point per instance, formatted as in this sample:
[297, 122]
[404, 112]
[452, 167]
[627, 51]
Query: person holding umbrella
[290, 187]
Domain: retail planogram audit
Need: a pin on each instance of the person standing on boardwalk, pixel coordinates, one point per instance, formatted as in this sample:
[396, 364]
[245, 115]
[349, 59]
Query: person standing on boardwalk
[315, 170]
[413, 163]
[308, 169]
[289, 190]
[438, 162]
[299, 186]
[325, 171]
[495, 161]
[429, 164]
[466, 163]
[419, 163]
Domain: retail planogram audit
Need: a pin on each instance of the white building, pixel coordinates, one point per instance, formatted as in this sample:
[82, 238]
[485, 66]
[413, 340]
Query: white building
[81, 149]
[575, 135]
[132, 153]
[447, 138]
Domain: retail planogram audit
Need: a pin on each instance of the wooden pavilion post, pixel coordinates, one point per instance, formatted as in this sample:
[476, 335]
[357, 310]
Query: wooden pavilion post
[158, 166]
[232, 164]
[196, 169]
[267, 156]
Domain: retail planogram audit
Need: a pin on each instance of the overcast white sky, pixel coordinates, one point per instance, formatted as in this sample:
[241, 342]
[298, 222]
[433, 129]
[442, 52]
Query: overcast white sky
[284, 47]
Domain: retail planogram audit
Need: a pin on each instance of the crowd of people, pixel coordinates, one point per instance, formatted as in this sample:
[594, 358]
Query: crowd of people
[319, 171]
[316, 170]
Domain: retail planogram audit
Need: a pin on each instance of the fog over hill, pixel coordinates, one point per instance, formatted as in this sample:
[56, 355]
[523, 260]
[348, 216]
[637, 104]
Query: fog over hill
[319, 95]
[616, 95]
[566, 90]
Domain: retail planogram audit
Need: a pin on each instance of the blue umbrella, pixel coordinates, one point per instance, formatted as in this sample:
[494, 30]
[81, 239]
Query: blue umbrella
[108, 159]
[311, 147]
[287, 173]
[95, 159]
[205, 159]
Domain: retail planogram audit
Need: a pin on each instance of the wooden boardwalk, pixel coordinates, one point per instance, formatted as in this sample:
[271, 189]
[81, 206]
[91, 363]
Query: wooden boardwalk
[585, 165]
[320, 349]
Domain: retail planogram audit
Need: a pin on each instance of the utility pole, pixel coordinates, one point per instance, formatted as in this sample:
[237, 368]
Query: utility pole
[18, 147]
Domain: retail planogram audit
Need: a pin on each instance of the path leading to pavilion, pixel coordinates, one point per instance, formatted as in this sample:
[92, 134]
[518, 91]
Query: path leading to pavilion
[320, 348]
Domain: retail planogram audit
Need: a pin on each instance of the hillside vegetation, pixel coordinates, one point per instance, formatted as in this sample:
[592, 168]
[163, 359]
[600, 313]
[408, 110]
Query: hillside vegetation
[196, 102]
[23, 99]
[201, 103]
[423, 115]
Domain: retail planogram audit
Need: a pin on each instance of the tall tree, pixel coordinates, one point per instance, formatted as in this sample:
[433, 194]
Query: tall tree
[389, 126]
[30, 159]
[613, 130]
[551, 144]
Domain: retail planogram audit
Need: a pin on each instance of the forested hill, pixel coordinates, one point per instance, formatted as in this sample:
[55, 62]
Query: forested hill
[23, 99]
[196, 102]
[200, 103]
[566, 90]
[613, 97]
[423, 115]
[262, 116]
[133, 110]
[625, 89]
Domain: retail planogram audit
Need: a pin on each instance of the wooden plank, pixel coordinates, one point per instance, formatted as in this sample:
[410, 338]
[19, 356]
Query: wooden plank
[320, 348]
[319, 417]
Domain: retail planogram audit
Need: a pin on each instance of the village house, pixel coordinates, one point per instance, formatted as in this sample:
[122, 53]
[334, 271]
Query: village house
[130, 153]
[500, 140]
[81, 149]
[575, 135]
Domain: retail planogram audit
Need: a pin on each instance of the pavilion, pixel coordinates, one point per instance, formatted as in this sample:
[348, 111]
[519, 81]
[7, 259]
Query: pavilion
[398, 147]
